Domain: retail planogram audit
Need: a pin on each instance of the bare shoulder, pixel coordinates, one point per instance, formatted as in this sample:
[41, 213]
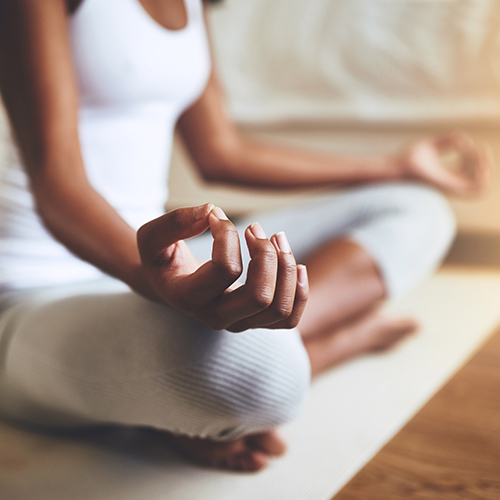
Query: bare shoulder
[36, 77]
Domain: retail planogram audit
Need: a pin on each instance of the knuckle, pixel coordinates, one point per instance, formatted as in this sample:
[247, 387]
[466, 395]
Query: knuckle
[269, 255]
[230, 228]
[229, 270]
[282, 311]
[229, 231]
[261, 299]
[288, 270]
[177, 217]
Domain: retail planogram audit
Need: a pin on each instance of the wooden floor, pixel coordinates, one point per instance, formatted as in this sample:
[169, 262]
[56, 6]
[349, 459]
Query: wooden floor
[450, 449]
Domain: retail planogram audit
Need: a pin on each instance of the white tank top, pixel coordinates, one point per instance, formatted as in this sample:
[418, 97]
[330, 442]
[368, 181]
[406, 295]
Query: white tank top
[135, 78]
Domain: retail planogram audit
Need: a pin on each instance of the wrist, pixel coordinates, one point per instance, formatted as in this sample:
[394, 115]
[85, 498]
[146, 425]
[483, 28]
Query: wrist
[396, 167]
[384, 168]
[138, 281]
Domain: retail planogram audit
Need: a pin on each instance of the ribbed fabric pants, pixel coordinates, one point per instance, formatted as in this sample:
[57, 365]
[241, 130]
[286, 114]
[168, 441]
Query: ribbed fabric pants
[96, 353]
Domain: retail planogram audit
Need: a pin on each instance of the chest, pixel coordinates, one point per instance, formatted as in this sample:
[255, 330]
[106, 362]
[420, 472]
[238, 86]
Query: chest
[123, 56]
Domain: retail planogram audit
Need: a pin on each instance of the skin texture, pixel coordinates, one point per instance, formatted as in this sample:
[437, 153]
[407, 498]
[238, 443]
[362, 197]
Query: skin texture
[339, 321]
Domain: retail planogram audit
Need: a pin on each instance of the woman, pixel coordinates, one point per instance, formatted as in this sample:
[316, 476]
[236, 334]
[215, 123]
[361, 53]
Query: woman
[101, 324]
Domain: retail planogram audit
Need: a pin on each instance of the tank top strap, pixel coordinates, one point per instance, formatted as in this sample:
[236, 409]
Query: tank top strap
[194, 10]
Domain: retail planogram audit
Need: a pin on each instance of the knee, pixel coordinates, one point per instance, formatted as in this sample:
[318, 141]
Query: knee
[258, 383]
[411, 229]
[426, 226]
[430, 214]
[280, 383]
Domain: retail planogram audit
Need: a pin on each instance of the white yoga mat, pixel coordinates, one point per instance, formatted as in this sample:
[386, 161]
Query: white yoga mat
[352, 413]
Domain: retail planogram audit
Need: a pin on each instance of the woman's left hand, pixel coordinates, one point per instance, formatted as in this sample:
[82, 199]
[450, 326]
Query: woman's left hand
[470, 170]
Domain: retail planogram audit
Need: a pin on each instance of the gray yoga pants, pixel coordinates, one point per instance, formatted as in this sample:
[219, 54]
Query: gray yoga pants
[96, 353]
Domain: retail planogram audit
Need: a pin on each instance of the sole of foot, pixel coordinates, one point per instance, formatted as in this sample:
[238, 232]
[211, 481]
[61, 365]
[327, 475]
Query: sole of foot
[372, 333]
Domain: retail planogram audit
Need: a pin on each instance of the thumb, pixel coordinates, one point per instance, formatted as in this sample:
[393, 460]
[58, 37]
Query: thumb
[155, 237]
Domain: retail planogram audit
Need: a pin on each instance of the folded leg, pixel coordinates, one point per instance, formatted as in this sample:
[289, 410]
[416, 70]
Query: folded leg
[361, 245]
[104, 355]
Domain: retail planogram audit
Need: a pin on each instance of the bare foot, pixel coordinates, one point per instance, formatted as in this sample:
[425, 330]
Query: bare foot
[372, 333]
[246, 454]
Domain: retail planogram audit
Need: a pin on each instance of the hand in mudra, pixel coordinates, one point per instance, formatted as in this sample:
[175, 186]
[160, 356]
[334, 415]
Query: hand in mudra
[468, 172]
[273, 296]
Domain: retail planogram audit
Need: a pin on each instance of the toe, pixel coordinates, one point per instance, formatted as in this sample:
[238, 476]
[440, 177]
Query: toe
[269, 443]
[254, 461]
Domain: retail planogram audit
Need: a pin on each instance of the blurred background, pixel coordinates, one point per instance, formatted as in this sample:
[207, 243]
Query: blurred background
[358, 76]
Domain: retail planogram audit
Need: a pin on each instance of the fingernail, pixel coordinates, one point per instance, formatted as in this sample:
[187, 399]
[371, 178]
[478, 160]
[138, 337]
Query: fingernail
[257, 231]
[302, 275]
[219, 213]
[202, 211]
[283, 244]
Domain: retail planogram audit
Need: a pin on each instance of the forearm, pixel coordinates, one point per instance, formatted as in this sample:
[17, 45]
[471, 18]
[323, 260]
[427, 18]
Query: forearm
[40, 94]
[222, 154]
[83, 221]
[262, 165]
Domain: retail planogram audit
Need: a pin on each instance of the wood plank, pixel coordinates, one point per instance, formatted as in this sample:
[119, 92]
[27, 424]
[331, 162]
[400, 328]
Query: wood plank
[475, 249]
[450, 449]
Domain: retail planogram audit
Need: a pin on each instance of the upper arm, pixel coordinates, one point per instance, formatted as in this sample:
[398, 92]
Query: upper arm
[207, 131]
[37, 82]
[209, 134]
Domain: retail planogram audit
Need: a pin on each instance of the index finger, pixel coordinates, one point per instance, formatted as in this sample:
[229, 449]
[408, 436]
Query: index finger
[214, 277]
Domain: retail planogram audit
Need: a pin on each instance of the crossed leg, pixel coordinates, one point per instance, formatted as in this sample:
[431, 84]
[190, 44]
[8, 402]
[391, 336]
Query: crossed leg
[118, 358]
[341, 320]
[360, 247]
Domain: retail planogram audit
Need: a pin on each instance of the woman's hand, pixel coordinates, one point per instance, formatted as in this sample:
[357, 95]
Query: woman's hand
[468, 169]
[273, 296]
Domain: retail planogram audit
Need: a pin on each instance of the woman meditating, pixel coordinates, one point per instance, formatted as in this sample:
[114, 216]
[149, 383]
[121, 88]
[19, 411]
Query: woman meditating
[108, 315]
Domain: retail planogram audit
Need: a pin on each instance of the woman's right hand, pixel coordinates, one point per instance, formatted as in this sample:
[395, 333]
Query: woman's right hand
[474, 163]
[273, 296]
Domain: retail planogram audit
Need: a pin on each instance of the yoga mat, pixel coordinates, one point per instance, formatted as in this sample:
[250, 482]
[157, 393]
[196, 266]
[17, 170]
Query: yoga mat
[352, 413]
